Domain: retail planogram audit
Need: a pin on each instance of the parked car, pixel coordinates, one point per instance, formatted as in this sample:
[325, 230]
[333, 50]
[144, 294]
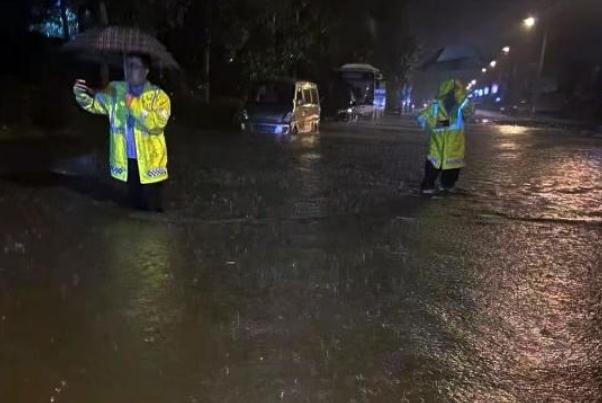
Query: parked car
[282, 107]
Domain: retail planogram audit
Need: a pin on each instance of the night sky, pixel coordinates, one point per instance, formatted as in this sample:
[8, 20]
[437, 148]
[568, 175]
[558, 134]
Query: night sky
[490, 24]
[485, 24]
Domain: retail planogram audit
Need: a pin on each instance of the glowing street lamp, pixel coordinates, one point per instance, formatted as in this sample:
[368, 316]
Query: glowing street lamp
[529, 22]
[483, 70]
[506, 49]
[493, 64]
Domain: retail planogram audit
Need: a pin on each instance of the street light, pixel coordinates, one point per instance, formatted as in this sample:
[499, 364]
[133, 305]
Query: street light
[483, 70]
[529, 22]
[493, 64]
[506, 49]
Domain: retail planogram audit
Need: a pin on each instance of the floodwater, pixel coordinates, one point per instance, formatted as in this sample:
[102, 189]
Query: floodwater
[308, 271]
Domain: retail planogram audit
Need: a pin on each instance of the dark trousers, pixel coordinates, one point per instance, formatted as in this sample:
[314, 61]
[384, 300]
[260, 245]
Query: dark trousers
[449, 177]
[143, 197]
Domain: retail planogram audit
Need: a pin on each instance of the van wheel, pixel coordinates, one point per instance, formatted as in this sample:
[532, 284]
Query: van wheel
[294, 130]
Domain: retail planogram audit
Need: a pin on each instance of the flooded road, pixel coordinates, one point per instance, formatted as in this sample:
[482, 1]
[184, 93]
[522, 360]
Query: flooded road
[310, 271]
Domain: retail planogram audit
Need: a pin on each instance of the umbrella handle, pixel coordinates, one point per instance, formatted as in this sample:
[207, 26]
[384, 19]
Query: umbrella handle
[125, 70]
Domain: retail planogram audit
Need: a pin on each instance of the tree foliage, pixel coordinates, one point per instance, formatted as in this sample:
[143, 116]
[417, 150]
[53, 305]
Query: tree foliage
[257, 38]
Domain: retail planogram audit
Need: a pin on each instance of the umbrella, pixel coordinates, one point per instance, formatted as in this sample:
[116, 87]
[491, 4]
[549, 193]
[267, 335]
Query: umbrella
[110, 44]
[453, 58]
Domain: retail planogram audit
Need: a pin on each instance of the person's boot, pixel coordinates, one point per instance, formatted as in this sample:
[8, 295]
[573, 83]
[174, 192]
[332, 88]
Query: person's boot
[428, 191]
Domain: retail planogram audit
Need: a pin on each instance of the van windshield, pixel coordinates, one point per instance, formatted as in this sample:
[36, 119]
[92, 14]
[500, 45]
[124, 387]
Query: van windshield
[272, 93]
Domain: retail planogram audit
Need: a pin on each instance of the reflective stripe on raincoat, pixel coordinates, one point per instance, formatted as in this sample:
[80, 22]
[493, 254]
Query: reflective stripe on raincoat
[151, 112]
[447, 142]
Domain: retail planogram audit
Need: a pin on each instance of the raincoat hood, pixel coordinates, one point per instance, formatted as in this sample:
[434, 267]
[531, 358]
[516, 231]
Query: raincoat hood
[455, 86]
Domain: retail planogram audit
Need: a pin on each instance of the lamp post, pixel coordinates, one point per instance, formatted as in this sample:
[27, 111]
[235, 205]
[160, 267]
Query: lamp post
[529, 23]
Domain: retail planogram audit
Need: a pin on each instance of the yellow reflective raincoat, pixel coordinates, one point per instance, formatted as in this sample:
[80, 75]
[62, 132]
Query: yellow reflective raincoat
[151, 112]
[446, 128]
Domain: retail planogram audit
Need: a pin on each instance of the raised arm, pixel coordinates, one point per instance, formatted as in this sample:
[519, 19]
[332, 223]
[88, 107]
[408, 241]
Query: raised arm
[91, 101]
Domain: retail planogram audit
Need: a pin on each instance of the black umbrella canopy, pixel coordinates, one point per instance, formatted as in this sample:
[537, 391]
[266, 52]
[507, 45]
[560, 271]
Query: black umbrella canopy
[110, 44]
[453, 58]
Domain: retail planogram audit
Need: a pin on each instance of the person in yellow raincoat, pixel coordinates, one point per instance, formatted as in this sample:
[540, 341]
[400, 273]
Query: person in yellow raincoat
[444, 120]
[138, 113]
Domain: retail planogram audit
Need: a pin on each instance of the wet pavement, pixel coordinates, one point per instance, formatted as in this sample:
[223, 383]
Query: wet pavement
[307, 271]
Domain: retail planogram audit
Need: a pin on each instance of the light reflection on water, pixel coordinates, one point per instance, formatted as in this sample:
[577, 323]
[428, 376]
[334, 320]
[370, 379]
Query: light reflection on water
[528, 338]
[512, 130]
[530, 179]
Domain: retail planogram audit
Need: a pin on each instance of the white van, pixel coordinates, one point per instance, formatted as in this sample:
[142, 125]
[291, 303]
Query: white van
[282, 107]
